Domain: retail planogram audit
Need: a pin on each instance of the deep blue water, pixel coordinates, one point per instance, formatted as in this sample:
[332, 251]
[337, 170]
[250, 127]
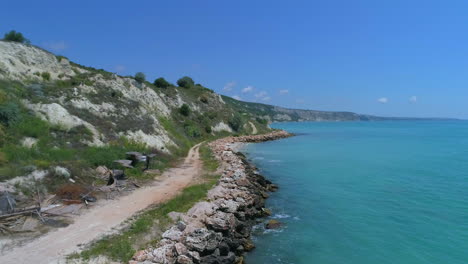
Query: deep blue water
[366, 192]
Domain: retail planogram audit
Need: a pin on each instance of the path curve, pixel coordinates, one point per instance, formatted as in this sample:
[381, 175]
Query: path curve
[99, 220]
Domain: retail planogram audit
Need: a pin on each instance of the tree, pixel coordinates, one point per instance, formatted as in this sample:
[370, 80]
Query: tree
[184, 110]
[16, 37]
[185, 82]
[140, 77]
[161, 83]
[235, 122]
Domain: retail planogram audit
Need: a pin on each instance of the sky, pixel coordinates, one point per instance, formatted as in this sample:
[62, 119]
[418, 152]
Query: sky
[387, 58]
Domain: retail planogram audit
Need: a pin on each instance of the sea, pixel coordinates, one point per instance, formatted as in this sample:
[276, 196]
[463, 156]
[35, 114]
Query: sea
[365, 192]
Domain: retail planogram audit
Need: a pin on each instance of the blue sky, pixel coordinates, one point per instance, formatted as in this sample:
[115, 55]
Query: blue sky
[390, 58]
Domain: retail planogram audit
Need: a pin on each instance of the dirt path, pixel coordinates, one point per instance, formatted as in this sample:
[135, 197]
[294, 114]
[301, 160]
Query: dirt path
[254, 128]
[54, 246]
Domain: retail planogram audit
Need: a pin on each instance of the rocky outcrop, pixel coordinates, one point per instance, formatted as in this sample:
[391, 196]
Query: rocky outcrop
[218, 230]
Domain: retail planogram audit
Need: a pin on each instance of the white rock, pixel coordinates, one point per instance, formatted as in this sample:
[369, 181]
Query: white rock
[221, 126]
[61, 171]
[29, 142]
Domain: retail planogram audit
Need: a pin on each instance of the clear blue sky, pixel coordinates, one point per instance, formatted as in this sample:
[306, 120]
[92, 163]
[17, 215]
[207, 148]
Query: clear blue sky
[390, 58]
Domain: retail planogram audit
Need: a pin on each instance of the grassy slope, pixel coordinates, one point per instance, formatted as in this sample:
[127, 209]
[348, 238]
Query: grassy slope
[60, 147]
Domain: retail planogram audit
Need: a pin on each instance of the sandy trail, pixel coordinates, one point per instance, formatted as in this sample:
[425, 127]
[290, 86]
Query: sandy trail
[99, 220]
[254, 128]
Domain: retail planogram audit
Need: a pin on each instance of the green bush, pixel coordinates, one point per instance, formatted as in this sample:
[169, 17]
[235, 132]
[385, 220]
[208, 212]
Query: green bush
[9, 113]
[192, 131]
[45, 76]
[261, 121]
[235, 122]
[140, 77]
[161, 83]
[185, 82]
[15, 37]
[185, 110]
[208, 129]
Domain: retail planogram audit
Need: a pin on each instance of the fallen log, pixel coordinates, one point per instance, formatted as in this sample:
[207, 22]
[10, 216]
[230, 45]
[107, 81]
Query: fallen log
[22, 212]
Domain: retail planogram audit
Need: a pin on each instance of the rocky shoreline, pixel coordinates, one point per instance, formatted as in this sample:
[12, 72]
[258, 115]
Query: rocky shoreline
[218, 229]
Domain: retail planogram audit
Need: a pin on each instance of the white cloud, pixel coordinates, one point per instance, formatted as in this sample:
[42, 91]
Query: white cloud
[119, 68]
[382, 100]
[413, 99]
[284, 91]
[228, 86]
[56, 45]
[247, 89]
[260, 94]
[266, 98]
[237, 97]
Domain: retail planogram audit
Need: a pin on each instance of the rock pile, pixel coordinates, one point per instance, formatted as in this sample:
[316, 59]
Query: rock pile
[218, 230]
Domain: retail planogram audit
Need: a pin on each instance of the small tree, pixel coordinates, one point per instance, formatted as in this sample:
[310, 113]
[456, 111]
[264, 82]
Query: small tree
[140, 77]
[185, 82]
[16, 37]
[235, 122]
[161, 83]
[184, 110]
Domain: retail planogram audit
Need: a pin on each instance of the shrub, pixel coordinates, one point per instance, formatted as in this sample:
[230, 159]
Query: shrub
[208, 129]
[192, 131]
[204, 99]
[16, 37]
[31, 127]
[185, 82]
[161, 83]
[140, 77]
[261, 121]
[235, 122]
[45, 76]
[9, 113]
[184, 110]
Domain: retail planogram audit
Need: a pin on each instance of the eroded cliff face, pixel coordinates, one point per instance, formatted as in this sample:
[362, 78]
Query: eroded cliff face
[110, 106]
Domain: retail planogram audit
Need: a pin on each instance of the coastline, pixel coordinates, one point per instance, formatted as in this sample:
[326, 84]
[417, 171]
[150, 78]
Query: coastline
[218, 229]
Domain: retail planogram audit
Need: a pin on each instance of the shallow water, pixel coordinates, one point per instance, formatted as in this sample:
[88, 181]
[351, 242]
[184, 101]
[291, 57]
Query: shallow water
[366, 192]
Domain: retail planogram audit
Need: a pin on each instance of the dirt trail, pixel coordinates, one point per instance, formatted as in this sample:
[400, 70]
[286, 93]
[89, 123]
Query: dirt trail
[254, 128]
[54, 246]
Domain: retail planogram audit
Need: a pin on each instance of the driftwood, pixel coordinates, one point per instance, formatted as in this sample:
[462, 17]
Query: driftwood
[22, 212]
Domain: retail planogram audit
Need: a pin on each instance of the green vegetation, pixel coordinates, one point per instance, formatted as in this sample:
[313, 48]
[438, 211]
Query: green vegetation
[140, 77]
[45, 76]
[9, 113]
[185, 82]
[161, 83]
[210, 164]
[184, 110]
[15, 37]
[235, 122]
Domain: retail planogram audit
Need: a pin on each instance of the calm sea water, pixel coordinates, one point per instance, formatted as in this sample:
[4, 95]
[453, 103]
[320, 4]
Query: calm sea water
[366, 192]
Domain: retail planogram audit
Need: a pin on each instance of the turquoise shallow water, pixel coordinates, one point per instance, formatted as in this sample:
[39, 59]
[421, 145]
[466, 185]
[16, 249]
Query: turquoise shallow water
[366, 192]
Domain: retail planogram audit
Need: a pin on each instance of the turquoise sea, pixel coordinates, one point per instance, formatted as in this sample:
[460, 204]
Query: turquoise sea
[366, 192]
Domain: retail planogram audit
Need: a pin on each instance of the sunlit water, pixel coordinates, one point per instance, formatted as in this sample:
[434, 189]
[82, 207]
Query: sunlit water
[366, 192]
